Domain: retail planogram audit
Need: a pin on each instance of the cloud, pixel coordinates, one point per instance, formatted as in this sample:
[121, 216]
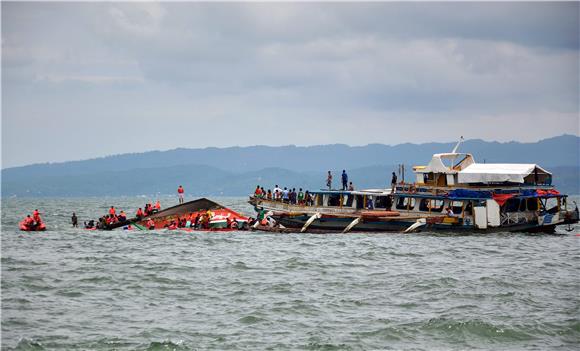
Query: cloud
[217, 74]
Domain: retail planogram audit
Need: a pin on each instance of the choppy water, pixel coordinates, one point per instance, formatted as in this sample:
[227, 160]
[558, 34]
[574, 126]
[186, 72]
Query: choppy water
[69, 289]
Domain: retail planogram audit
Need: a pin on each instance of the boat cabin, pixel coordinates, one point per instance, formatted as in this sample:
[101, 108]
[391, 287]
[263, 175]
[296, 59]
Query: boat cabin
[460, 169]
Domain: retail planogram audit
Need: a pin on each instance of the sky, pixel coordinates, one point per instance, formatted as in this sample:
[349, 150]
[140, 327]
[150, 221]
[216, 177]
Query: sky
[84, 80]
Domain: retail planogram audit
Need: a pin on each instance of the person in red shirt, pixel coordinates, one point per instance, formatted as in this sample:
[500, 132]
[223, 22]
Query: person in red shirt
[139, 213]
[258, 192]
[157, 205]
[112, 211]
[180, 192]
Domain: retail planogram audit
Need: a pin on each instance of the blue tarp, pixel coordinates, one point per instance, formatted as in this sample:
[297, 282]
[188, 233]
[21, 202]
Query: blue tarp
[472, 194]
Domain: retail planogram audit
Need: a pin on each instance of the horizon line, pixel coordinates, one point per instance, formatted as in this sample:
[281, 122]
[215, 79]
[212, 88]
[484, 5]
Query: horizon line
[280, 146]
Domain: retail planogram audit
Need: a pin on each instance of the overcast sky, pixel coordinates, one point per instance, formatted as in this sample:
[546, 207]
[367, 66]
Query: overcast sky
[82, 80]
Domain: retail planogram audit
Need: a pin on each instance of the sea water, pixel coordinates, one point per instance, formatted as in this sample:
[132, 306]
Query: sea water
[72, 289]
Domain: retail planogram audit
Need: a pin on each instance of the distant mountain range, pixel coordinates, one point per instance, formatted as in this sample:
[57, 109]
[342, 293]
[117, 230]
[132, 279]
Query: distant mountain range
[237, 170]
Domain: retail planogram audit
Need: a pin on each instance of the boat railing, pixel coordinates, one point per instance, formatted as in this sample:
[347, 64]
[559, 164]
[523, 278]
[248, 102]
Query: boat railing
[511, 218]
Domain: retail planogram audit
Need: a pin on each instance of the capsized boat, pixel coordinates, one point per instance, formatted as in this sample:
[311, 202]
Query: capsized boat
[217, 217]
[452, 193]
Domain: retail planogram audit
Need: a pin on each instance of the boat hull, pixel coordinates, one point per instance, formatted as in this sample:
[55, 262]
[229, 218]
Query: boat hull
[337, 224]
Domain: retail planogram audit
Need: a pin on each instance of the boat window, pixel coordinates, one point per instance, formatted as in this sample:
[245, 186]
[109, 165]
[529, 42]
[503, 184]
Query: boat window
[436, 205]
[511, 205]
[551, 203]
[522, 205]
[318, 200]
[405, 202]
[381, 202]
[401, 203]
[424, 205]
[359, 201]
[469, 208]
[532, 204]
[334, 200]
[348, 200]
[456, 207]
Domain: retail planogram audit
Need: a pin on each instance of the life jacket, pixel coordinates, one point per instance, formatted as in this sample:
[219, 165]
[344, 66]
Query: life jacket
[157, 205]
[112, 211]
[28, 221]
[139, 213]
[35, 213]
[180, 190]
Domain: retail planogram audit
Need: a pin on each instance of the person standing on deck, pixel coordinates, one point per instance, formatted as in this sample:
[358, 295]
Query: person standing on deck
[180, 192]
[112, 211]
[285, 195]
[350, 187]
[393, 182]
[277, 193]
[74, 220]
[329, 180]
[344, 180]
[300, 197]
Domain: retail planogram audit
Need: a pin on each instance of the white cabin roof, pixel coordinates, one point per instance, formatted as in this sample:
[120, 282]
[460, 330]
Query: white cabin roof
[436, 165]
[498, 172]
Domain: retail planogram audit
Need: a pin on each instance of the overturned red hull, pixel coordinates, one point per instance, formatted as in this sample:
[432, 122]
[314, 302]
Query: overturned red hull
[222, 218]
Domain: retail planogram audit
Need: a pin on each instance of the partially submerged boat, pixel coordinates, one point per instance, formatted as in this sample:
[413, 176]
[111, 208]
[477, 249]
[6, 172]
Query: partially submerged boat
[217, 217]
[452, 193]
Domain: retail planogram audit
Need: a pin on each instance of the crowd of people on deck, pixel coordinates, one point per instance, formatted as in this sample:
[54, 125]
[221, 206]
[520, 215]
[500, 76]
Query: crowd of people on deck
[286, 195]
[293, 197]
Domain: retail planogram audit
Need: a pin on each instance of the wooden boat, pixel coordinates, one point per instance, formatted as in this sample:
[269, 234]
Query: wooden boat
[449, 196]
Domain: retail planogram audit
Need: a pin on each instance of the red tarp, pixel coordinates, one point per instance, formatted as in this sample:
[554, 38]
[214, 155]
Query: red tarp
[502, 198]
[541, 192]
